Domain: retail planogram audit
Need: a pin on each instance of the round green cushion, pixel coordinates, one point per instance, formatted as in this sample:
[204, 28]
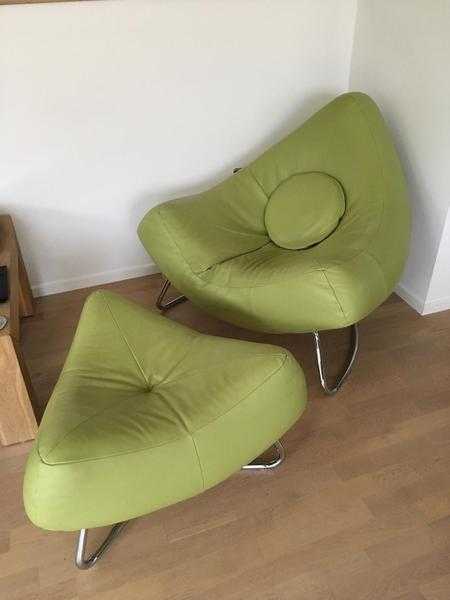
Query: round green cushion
[304, 209]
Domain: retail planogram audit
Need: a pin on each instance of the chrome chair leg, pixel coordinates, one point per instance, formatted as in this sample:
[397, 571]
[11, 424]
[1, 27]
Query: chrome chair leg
[320, 365]
[164, 306]
[272, 464]
[86, 563]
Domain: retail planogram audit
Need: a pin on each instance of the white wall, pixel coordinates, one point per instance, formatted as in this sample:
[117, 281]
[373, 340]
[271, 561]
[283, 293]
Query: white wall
[107, 108]
[401, 57]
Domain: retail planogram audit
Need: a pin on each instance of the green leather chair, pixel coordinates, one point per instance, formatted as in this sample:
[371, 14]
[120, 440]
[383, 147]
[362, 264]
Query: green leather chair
[146, 413]
[313, 235]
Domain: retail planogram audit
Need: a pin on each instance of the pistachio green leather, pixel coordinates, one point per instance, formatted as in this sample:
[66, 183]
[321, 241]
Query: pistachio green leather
[304, 210]
[147, 412]
[216, 250]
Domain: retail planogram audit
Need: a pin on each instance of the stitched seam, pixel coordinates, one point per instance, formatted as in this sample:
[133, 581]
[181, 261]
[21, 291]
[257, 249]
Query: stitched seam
[225, 260]
[334, 293]
[171, 409]
[138, 364]
[119, 401]
[262, 285]
[194, 339]
[205, 269]
[196, 372]
[258, 183]
[66, 435]
[174, 439]
[174, 242]
[263, 382]
[199, 462]
[112, 455]
[386, 288]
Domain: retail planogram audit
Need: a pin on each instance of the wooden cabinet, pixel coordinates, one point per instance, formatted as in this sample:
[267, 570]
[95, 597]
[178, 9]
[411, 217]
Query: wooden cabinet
[17, 420]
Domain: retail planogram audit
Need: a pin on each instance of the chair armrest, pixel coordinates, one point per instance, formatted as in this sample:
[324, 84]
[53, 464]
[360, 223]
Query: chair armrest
[208, 228]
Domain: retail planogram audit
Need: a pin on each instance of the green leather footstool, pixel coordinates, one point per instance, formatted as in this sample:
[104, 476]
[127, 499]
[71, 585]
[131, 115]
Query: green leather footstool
[146, 413]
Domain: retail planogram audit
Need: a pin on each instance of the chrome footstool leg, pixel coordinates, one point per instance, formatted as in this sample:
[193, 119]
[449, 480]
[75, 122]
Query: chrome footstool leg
[321, 368]
[86, 563]
[166, 305]
[272, 464]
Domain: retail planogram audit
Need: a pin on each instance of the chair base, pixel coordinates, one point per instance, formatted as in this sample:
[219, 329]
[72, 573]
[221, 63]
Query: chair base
[166, 305]
[320, 363]
[84, 563]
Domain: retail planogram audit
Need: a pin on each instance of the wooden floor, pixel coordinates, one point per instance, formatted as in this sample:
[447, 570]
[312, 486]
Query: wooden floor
[359, 511]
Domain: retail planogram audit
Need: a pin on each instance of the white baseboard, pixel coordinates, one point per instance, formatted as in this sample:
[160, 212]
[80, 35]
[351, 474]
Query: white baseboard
[434, 306]
[422, 306]
[75, 283]
[410, 298]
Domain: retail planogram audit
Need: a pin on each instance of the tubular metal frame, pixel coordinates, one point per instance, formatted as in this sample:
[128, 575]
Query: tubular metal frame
[272, 464]
[164, 306]
[87, 563]
[84, 563]
[320, 362]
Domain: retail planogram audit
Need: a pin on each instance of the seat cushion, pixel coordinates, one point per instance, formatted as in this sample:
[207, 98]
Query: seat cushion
[147, 412]
[304, 210]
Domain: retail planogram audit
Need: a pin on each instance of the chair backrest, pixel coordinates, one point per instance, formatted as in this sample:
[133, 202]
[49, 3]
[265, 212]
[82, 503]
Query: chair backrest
[349, 140]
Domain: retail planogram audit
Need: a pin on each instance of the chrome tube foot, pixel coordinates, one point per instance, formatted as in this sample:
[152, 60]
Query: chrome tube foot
[272, 464]
[166, 305]
[86, 563]
[320, 364]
